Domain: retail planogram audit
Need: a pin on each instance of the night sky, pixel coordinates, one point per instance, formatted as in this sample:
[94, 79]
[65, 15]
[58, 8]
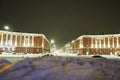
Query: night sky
[60, 20]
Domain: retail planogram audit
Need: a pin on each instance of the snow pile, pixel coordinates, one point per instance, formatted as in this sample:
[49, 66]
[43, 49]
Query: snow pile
[3, 61]
[58, 68]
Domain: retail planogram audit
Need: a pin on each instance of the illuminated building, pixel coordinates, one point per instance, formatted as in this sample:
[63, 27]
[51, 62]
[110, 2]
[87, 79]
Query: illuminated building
[95, 44]
[17, 42]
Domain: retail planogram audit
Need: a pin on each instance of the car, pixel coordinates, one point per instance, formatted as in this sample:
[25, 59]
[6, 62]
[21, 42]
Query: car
[98, 57]
[46, 55]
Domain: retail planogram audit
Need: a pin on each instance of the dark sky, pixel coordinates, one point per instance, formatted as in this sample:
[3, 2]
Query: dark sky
[61, 20]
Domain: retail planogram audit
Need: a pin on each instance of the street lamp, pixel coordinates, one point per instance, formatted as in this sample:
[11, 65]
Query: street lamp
[52, 45]
[52, 41]
[6, 27]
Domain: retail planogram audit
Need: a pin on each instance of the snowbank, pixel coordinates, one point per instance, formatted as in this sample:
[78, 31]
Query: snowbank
[58, 68]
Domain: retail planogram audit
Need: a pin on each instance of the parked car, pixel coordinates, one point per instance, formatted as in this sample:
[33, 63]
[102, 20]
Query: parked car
[46, 55]
[98, 57]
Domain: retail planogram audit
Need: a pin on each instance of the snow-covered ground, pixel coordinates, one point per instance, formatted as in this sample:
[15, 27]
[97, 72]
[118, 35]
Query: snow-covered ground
[60, 68]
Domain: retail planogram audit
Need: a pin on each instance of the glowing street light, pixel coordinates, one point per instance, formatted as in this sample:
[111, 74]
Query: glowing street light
[52, 41]
[6, 27]
[52, 45]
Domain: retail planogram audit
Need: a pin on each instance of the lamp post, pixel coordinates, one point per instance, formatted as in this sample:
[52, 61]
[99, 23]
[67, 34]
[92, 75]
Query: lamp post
[8, 45]
[7, 28]
[52, 45]
[87, 50]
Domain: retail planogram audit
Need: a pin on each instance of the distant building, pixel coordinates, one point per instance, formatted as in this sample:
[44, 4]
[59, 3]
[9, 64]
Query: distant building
[95, 44]
[17, 42]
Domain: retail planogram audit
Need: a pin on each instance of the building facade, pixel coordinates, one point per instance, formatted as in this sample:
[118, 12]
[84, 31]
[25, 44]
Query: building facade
[95, 44]
[17, 42]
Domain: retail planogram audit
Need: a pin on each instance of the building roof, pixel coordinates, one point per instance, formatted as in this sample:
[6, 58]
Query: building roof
[21, 33]
[105, 35]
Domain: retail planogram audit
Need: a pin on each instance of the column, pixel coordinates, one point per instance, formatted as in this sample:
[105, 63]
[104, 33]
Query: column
[28, 40]
[20, 40]
[108, 42]
[113, 42]
[6, 39]
[96, 43]
[11, 38]
[79, 43]
[16, 40]
[92, 42]
[100, 43]
[104, 43]
[117, 43]
[24, 40]
[2, 39]
[32, 40]
[42, 42]
[82, 43]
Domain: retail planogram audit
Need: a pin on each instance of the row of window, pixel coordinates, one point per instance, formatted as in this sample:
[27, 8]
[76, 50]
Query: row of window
[22, 50]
